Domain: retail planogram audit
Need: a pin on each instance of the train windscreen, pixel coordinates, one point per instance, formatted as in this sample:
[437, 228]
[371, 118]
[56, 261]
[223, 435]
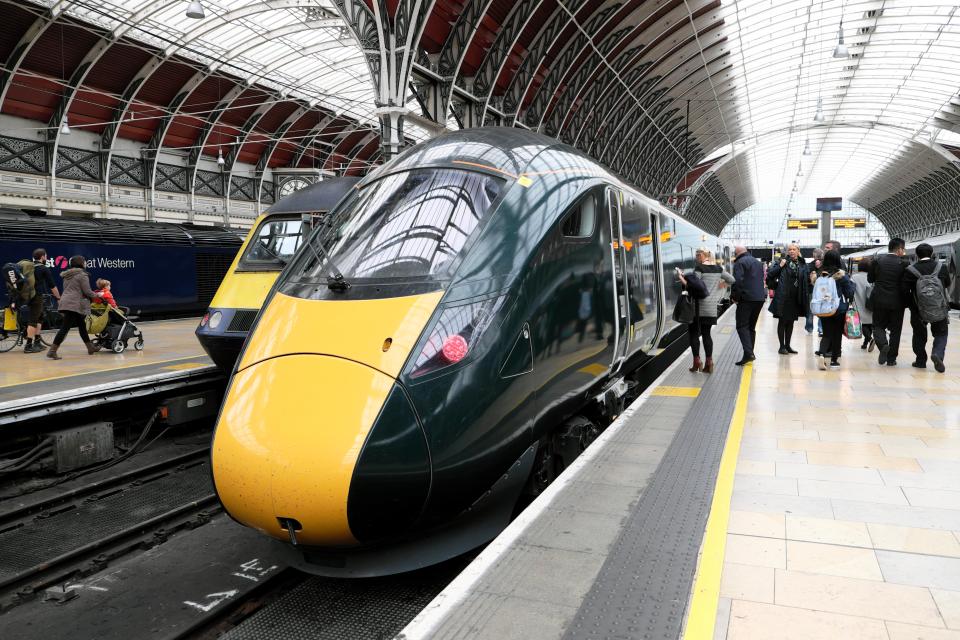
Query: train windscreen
[272, 244]
[406, 226]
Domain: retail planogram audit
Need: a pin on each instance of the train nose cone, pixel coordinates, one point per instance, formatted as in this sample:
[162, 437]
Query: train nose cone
[287, 445]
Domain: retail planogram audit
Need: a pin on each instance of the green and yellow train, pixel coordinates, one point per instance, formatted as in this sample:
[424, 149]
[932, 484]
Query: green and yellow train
[457, 330]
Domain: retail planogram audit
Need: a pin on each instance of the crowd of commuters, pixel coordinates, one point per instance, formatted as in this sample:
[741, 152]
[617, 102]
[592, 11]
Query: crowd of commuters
[30, 282]
[878, 294]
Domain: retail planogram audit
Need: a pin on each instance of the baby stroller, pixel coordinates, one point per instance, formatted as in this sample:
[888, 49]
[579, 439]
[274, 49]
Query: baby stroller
[110, 328]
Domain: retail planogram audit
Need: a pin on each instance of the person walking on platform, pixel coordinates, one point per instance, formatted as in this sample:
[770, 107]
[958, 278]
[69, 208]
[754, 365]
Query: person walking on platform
[748, 293]
[43, 285]
[791, 298]
[831, 344]
[886, 274]
[813, 268]
[74, 305]
[715, 279]
[925, 285]
[864, 289]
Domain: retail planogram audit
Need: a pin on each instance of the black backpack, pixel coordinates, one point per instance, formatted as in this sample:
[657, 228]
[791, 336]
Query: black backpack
[12, 280]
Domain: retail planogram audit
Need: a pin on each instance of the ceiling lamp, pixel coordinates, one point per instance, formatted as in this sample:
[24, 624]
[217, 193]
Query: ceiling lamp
[840, 51]
[64, 127]
[818, 116]
[800, 171]
[195, 10]
[220, 160]
[806, 147]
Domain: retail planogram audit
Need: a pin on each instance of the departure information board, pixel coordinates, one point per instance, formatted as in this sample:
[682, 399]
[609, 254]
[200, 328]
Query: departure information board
[829, 204]
[849, 223]
[803, 223]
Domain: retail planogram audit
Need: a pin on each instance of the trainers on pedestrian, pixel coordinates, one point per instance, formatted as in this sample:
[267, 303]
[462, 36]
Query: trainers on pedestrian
[822, 363]
[916, 364]
[834, 365]
[872, 346]
[938, 364]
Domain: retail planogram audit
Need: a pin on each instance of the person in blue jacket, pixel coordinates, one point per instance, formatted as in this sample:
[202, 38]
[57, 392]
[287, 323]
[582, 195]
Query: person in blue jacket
[831, 344]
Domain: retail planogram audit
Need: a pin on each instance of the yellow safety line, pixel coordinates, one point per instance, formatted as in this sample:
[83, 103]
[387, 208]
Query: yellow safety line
[706, 588]
[676, 392]
[88, 373]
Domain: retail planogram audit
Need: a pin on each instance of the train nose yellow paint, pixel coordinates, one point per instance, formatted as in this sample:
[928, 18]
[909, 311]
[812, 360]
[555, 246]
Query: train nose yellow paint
[309, 388]
[288, 439]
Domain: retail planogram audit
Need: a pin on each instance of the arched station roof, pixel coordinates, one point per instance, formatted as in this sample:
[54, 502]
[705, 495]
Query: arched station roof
[710, 104]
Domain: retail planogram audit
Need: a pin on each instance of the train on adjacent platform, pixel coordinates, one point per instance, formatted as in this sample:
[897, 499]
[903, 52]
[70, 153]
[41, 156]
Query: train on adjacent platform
[157, 269]
[457, 330]
[946, 248]
[274, 238]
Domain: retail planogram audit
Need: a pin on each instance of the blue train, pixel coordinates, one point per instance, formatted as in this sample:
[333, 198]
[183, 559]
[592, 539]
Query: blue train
[157, 269]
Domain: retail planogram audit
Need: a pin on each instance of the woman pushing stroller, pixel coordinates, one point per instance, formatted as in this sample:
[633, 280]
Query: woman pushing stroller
[74, 306]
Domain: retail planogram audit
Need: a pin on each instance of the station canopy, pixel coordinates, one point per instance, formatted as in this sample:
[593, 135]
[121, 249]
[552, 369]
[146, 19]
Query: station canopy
[711, 105]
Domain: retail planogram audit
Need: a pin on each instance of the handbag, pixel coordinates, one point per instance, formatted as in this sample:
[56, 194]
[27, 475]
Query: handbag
[852, 328]
[686, 310]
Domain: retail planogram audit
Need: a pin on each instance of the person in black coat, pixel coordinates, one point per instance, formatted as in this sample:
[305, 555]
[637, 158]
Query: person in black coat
[926, 264]
[832, 341]
[791, 298]
[886, 274]
[749, 293]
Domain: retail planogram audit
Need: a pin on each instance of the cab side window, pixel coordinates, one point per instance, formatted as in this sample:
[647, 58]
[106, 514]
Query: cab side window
[581, 220]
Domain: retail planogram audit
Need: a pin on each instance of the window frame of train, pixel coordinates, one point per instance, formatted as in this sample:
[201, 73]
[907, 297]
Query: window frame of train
[251, 265]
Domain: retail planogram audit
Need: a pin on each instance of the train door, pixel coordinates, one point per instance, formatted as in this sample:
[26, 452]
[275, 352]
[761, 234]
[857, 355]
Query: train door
[643, 293]
[621, 292]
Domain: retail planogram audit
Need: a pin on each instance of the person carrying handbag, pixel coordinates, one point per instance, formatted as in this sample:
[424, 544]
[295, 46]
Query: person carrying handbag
[714, 282]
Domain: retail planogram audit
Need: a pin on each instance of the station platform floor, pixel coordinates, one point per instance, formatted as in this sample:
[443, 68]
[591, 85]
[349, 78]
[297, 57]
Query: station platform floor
[773, 501]
[170, 350]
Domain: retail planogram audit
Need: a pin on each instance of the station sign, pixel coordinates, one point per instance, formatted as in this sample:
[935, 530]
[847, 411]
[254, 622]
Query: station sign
[829, 204]
[803, 223]
[849, 223]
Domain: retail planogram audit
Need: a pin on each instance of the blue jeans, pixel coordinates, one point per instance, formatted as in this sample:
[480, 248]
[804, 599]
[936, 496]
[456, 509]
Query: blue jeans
[809, 325]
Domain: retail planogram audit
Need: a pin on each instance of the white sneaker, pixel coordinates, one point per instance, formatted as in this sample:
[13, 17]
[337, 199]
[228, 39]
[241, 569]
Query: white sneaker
[822, 363]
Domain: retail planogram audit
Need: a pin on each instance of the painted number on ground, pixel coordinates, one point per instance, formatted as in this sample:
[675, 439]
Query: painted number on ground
[253, 570]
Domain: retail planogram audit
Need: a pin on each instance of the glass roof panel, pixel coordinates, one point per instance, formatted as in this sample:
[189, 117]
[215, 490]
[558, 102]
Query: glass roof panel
[878, 106]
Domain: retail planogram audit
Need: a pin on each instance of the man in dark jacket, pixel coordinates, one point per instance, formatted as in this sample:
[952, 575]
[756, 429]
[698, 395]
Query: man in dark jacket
[926, 264]
[886, 274]
[749, 293]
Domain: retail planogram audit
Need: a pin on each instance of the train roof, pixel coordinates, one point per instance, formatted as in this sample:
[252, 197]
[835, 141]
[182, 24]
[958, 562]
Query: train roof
[320, 196]
[18, 225]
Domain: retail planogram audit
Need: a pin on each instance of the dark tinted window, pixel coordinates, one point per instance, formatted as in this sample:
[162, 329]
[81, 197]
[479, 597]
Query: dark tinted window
[581, 220]
[406, 225]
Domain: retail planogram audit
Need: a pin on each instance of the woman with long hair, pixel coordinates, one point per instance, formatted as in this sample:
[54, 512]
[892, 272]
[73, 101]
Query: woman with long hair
[831, 344]
[74, 306]
[716, 281]
[788, 278]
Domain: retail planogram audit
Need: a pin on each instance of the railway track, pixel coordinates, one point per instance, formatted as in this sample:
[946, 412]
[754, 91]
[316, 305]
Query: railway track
[46, 542]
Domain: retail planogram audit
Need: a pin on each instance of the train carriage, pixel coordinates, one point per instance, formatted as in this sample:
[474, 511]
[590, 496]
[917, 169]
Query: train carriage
[461, 326]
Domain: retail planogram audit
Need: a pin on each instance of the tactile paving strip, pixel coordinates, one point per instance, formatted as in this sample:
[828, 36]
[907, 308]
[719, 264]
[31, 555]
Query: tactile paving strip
[44, 539]
[346, 609]
[643, 587]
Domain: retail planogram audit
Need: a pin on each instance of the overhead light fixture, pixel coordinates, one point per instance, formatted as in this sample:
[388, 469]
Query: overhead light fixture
[64, 127]
[220, 160]
[806, 147]
[800, 172]
[840, 51]
[818, 116]
[195, 10]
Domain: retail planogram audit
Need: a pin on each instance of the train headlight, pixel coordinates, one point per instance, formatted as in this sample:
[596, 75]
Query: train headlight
[215, 319]
[455, 334]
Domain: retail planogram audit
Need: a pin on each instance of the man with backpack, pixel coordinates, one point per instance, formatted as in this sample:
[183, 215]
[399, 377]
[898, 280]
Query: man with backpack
[925, 286]
[37, 281]
[886, 274]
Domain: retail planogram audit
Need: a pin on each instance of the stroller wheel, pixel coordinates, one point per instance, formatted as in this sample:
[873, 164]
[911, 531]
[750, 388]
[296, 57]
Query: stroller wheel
[138, 345]
[118, 347]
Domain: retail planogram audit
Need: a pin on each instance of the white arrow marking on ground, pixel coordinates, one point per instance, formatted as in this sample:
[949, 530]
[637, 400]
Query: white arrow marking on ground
[217, 599]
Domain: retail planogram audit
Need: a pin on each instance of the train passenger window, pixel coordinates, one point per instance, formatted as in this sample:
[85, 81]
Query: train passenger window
[581, 220]
[411, 224]
[273, 244]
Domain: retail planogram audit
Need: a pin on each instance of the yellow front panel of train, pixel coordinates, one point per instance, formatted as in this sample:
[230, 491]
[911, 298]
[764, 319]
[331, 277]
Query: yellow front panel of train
[289, 436]
[244, 290]
[353, 329]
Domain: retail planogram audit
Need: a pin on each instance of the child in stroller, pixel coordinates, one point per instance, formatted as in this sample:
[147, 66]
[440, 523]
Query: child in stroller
[109, 324]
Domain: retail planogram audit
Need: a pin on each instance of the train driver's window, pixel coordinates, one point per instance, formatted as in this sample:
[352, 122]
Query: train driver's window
[581, 220]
